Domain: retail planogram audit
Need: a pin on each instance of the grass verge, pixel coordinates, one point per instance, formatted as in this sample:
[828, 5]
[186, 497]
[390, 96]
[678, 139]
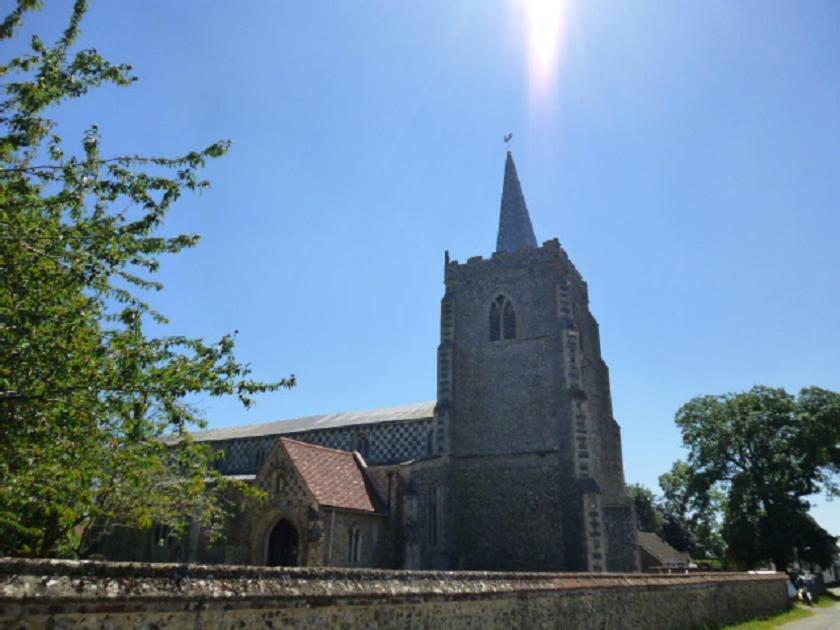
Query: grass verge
[799, 611]
[827, 600]
[776, 621]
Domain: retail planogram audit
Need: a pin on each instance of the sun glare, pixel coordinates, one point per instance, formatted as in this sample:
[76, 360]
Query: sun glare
[545, 23]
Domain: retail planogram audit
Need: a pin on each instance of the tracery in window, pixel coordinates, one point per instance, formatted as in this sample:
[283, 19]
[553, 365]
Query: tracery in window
[502, 319]
[508, 321]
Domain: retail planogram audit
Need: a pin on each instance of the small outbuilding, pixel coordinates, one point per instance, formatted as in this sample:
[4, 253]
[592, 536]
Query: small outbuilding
[657, 555]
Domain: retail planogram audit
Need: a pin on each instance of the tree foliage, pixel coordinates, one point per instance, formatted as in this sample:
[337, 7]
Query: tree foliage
[680, 529]
[648, 517]
[764, 451]
[86, 391]
[690, 525]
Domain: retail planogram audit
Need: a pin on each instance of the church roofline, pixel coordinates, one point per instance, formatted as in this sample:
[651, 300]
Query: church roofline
[402, 413]
[321, 447]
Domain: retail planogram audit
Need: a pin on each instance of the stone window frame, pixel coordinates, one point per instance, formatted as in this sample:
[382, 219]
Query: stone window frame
[502, 318]
[354, 544]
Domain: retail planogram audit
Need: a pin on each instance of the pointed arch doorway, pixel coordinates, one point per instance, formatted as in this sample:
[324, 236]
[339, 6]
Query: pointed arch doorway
[283, 545]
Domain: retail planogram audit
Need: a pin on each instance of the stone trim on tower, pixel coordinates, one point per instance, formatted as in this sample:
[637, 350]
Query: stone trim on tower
[593, 519]
[445, 369]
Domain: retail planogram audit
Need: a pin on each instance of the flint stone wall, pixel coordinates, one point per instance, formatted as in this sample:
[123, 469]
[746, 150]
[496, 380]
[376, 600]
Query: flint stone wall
[65, 594]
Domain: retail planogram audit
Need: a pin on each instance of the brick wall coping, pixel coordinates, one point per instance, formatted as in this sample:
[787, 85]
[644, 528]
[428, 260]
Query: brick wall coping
[27, 581]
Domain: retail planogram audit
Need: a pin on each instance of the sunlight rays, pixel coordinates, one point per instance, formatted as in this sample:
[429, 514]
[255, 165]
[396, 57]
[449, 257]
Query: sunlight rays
[546, 24]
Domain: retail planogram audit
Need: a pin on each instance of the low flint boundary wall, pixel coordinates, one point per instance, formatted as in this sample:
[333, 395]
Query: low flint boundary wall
[87, 594]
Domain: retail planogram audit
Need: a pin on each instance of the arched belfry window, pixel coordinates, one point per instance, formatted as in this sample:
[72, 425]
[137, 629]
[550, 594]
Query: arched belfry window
[502, 319]
[508, 321]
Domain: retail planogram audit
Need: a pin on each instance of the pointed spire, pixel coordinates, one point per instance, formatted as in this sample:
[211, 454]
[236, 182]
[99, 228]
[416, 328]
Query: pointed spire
[515, 229]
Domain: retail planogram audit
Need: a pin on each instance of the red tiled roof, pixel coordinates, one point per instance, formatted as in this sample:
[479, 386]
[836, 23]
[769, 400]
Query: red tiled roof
[334, 477]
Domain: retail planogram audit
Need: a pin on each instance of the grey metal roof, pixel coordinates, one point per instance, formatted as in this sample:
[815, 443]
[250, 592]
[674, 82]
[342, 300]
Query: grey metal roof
[403, 413]
[662, 551]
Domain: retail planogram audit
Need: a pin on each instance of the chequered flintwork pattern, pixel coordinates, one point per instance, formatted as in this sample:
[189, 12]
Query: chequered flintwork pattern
[388, 442]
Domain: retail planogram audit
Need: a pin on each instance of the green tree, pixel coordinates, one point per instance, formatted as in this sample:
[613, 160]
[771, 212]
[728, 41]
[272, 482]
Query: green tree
[648, 518]
[691, 525]
[86, 392]
[765, 451]
[652, 516]
[676, 493]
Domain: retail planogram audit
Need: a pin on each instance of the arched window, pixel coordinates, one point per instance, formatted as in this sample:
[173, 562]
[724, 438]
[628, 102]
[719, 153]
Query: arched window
[508, 321]
[502, 319]
[354, 544]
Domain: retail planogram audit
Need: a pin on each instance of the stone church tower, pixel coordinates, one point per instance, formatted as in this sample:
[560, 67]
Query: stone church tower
[516, 466]
[523, 422]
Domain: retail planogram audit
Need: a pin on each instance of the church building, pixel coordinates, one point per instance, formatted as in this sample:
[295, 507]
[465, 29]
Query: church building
[516, 466]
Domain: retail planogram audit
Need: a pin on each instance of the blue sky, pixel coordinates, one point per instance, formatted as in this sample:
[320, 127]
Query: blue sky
[685, 154]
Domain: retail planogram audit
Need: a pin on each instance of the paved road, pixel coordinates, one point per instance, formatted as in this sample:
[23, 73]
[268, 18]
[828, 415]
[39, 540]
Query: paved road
[822, 619]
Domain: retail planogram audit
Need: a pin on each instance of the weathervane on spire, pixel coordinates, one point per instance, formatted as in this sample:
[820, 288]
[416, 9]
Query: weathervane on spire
[507, 139]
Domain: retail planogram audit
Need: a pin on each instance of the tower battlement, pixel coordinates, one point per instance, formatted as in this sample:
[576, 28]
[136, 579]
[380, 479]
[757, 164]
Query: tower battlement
[551, 252]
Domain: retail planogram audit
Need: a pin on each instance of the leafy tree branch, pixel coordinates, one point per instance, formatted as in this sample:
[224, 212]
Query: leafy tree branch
[95, 411]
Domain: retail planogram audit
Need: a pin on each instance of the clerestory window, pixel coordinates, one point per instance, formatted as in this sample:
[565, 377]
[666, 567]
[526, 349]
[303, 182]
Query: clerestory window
[502, 319]
[362, 445]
